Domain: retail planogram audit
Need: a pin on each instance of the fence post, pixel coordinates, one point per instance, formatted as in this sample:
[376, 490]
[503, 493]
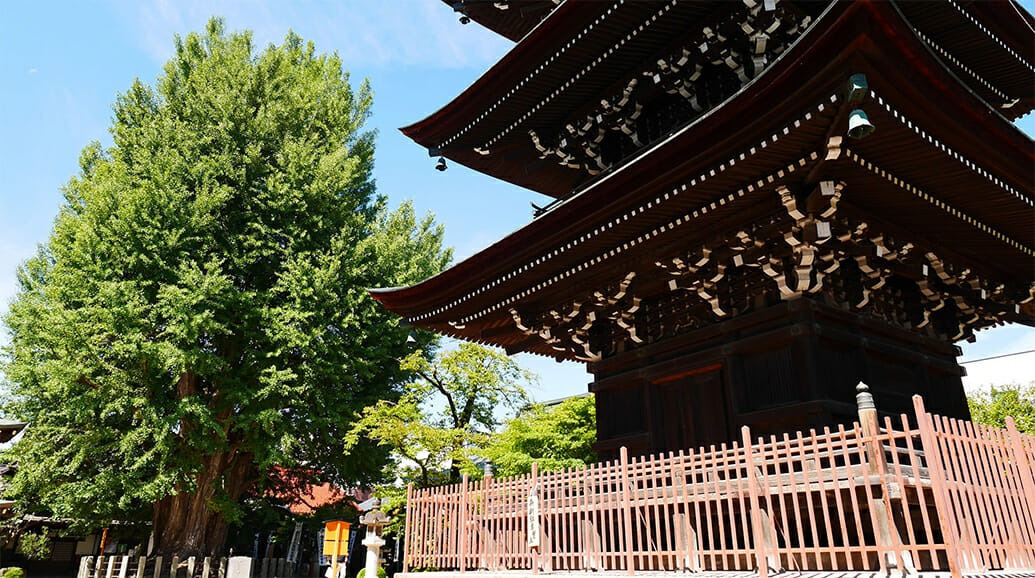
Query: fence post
[84, 567]
[483, 535]
[407, 527]
[141, 566]
[239, 567]
[630, 558]
[534, 489]
[158, 567]
[942, 503]
[761, 560]
[1021, 457]
[877, 465]
[464, 538]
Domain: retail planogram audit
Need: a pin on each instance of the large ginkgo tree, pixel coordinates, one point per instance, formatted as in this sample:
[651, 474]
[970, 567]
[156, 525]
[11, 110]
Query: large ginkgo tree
[198, 316]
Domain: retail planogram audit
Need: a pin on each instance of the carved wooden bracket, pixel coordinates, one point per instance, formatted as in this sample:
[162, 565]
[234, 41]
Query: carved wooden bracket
[727, 52]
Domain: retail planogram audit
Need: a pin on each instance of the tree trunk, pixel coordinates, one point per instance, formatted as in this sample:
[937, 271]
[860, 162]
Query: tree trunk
[189, 523]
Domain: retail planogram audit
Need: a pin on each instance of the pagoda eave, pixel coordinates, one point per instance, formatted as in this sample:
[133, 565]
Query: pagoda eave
[438, 127]
[512, 20]
[519, 96]
[992, 230]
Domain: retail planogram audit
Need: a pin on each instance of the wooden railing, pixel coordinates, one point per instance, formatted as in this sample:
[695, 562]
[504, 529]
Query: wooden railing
[946, 495]
[122, 566]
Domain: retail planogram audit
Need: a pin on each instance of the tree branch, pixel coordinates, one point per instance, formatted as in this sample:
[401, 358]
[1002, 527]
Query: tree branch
[433, 380]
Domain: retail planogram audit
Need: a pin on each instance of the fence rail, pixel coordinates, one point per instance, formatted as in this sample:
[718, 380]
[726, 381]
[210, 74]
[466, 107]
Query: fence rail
[178, 567]
[945, 495]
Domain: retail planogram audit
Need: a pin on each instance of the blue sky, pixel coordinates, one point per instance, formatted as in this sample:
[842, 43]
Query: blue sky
[63, 63]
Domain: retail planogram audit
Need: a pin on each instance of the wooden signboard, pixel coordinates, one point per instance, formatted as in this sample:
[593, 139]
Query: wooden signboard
[533, 517]
[335, 542]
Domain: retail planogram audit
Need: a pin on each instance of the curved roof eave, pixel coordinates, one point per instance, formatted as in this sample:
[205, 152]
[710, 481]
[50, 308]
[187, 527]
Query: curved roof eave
[482, 266]
[397, 298]
[478, 96]
[510, 22]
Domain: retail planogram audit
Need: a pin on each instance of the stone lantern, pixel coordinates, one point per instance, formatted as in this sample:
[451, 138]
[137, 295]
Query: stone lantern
[374, 520]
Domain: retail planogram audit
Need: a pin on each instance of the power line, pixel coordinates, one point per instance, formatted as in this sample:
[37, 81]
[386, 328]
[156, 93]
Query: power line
[997, 356]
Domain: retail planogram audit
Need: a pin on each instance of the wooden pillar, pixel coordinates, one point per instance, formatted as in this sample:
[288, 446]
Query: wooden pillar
[888, 543]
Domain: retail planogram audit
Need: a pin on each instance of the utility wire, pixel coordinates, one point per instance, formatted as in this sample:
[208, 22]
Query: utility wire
[997, 356]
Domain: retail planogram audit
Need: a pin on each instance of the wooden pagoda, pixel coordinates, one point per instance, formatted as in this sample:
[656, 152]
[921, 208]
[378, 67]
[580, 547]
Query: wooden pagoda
[756, 204]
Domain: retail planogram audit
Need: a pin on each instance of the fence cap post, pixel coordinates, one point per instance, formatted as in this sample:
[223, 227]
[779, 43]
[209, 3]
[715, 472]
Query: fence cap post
[863, 397]
[918, 405]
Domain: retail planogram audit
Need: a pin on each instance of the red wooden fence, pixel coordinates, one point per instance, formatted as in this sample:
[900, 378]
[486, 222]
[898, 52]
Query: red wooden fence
[945, 495]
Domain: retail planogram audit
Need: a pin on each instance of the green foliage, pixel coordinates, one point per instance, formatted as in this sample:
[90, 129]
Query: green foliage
[381, 573]
[991, 407]
[200, 309]
[557, 437]
[444, 414]
[34, 545]
[13, 572]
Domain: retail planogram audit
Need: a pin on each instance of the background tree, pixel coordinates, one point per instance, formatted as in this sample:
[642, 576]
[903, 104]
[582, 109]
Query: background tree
[34, 545]
[199, 312]
[991, 407]
[556, 436]
[444, 415]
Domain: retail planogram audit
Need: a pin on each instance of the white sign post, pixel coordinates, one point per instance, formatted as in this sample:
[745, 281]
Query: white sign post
[533, 516]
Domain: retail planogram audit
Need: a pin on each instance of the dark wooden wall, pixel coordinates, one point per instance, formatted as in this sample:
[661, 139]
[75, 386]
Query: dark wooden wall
[790, 367]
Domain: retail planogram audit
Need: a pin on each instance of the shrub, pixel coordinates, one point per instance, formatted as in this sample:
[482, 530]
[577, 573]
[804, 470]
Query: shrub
[14, 572]
[990, 407]
[363, 573]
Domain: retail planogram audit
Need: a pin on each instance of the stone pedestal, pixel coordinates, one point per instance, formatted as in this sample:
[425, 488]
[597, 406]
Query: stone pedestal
[239, 567]
[374, 543]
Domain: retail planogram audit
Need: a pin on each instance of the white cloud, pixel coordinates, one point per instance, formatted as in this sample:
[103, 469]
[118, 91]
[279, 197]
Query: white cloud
[370, 34]
[997, 359]
[1018, 369]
